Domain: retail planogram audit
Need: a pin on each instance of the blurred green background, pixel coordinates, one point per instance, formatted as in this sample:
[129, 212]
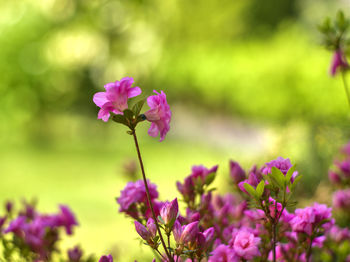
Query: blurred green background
[246, 80]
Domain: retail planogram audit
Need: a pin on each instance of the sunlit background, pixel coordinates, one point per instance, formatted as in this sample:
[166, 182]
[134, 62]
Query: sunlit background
[246, 80]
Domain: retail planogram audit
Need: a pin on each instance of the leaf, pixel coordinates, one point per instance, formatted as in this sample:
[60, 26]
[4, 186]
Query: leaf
[128, 114]
[290, 173]
[251, 191]
[120, 119]
[210, 178]
[296, 181]
[278, 176]
[260, 188]
[138, 106]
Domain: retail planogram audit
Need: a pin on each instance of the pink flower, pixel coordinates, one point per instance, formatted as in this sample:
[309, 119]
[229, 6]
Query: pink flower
[338, 62]
[115, 99]
[282, 164]
[223, 253]
[142, 231]
[169, 212]
[245, 244]
[108, 258]
[159, 115]
[341, 199]
[236, 172]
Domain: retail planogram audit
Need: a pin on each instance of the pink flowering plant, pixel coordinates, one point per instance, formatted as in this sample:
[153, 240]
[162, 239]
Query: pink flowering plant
[256, 221]
[28, 235]
[335, 39]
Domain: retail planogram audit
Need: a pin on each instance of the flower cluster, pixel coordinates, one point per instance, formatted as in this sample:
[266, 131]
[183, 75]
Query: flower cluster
[224, 228]
[34, 235]
[340, 178]
[115, 101]
[133, 200]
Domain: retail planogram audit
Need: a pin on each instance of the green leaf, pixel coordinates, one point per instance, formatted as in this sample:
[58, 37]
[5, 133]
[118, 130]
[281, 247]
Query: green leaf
[260, 188]
[290, 173]
[138, 106]
[128, 114]
[278, 177]
[296, 181]
[251, 191]
[120, 119]
[210, 178]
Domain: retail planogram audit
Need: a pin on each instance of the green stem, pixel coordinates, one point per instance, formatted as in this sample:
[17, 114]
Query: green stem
[149, 197]
[345, 87]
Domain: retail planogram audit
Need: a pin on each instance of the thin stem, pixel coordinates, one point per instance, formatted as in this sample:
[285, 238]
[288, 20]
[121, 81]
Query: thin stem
[168, 236]
[274, 241]
[345, 87]
[309, 250]
[163, 258]
[149, 197]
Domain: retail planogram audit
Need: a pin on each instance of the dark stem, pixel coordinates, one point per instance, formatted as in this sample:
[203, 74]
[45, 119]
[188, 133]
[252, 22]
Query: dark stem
[309, 250]
[149, 197]
[346, 87]
[274, 241]
[163, 258]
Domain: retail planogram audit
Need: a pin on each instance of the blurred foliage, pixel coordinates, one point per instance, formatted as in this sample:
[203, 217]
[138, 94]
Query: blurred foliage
[241, 70]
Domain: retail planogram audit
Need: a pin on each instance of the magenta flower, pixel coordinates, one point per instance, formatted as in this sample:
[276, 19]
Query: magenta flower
[236, 172]
[338, 62]
[303, 220]
[159, 115]
[151, 226]
[135, 193]
[341, 199]
[142, 231]
[245, 244]
[115, 99]
[169, 211]
[108, 258]
[66, 219]
[223, 253]
[189, 233]
[282, 164]
[75, 254]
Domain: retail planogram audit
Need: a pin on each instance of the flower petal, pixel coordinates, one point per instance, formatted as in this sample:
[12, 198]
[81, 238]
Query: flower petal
[100, 99]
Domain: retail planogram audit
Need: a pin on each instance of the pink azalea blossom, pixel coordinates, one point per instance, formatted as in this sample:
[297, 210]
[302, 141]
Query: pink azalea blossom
[115, 99]
[245, 244]
[223, 253]
[159, 115]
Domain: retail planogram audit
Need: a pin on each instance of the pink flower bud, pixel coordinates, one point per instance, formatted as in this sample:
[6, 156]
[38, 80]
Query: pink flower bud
[169, 212]
[189, 233]
[152, 228]
[209, 234]
[108, 258]
[142, 231]
[334, 177]
[236, 172]
[177, 231]
[338, 62]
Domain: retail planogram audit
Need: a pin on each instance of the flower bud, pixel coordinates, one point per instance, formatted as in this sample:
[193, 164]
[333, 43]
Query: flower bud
[177, 231]
[151, 226]
[108, 258]
[189, 233]
[142, 231]
[9, 206]
[169, 212]
[236, 172]
[75, 254]
[334, 177]
[209, 234]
